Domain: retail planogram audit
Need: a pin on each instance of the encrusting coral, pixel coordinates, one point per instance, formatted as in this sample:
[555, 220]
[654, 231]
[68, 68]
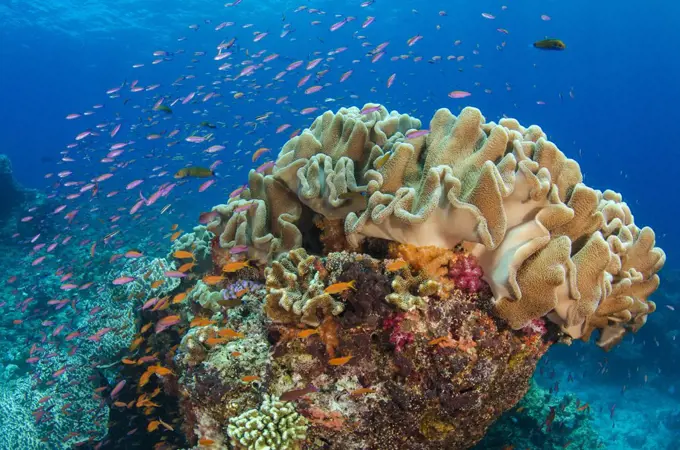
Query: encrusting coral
[547, 244]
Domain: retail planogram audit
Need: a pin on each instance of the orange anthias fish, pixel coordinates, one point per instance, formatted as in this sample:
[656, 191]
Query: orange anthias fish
[213, 341]
[249, 378]
[228, 332]
[396, 265]
[153, 426]
[201, 322]
[182, 254]
[179, 297]
[340, 287]
[186, 267]
[306, 333]
[205, 441]
[212, 280]
[235, 266]
[339, 361]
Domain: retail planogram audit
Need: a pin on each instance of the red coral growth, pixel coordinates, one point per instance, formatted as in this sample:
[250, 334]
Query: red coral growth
[466, 274]
[398, 338]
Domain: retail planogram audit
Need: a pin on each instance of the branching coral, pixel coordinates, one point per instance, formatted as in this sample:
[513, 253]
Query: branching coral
[198, 243]
[547, 243]
[411, 291]
[274, 425]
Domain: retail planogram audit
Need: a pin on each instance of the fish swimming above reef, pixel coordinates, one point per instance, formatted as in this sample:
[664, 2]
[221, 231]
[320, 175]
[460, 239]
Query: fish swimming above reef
[194, 172]
[550, 44]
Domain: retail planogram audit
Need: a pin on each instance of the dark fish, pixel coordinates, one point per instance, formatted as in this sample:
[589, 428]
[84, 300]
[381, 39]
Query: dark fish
[194, 172]
[550, 44]
[207, 124]
[297, 393]
[164, 108]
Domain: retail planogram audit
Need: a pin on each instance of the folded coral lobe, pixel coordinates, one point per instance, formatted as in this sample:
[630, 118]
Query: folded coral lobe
[548, 244]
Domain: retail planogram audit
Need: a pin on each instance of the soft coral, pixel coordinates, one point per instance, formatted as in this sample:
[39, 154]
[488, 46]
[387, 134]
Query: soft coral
[467, 274]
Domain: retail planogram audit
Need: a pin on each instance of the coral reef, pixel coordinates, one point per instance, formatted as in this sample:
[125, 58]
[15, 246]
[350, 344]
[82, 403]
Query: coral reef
[21, 209]
[570, 426]
[547, 244]
[444, 368]
[464, 254]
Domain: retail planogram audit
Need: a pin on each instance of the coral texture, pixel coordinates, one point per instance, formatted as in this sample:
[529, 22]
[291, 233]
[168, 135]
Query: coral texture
[275, 424]
[445, 368]
[547, 244]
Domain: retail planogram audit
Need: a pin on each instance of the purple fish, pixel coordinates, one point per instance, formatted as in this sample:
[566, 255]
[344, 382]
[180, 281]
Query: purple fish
[238, 249]
[370, 109]
[207, 217]
[417, 133]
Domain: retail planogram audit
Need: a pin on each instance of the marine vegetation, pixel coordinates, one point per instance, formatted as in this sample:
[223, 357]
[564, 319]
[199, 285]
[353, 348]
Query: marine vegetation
[384, 285]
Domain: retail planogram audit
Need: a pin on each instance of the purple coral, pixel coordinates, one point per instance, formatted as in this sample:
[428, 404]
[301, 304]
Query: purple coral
[229, 293]
[467, 274]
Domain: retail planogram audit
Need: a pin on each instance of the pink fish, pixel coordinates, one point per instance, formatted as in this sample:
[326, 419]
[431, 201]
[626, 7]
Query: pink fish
[369, 20]
[260, 36]
[38, 261]
[390, 80]
[294, 65]
[72, 116]
[123, 280]
[238, 249]
[283, 128]
[188, 98]
[303, 80]
[338, 25]
[117, 389]
[313, 89]
[413, 40]
[416, 133]
[134, 184]
[370, 109]
[488, 16]
[207, 217]
[174, 274]
[345, 76]
[313, 63]
[215, 148]
[206, 185]
[459, 94]
[309, 110]
[195, 139]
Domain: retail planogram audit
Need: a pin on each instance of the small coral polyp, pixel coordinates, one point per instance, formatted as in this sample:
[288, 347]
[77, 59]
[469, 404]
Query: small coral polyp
[547, 244]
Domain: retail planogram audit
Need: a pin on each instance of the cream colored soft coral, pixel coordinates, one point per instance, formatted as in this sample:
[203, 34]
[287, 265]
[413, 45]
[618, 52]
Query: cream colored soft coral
[548, 244]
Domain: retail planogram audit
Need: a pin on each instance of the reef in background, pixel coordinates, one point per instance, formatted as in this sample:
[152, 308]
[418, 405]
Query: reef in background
[20, 208]
[384, 287]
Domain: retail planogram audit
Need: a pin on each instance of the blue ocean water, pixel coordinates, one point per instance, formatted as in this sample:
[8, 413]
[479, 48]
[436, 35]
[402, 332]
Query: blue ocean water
[608, 101]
